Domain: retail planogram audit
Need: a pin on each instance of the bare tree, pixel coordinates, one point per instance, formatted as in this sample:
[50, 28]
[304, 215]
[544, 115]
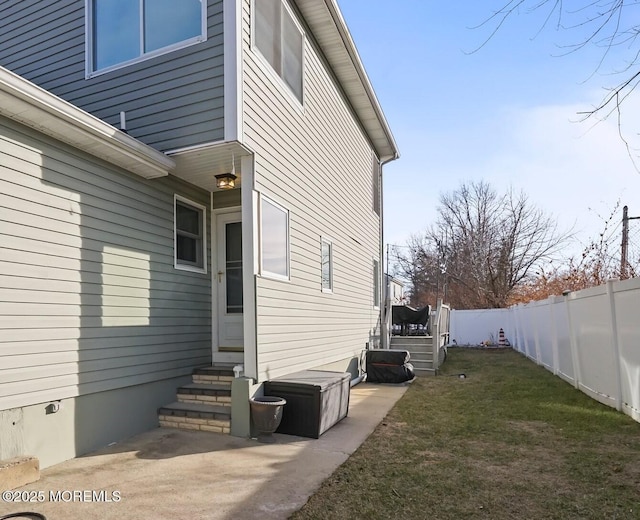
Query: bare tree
[487, 244]
[599, 262]
[418, 264]
[607, 24]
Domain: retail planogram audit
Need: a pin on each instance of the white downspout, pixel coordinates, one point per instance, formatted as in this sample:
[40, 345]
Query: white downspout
[384, 308]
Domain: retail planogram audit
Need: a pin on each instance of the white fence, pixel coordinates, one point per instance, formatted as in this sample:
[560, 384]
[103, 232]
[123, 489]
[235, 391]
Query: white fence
[590, 338]
[474, 327]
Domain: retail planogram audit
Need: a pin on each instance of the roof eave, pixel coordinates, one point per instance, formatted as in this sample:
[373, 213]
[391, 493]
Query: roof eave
[345, 61]
[28, 104]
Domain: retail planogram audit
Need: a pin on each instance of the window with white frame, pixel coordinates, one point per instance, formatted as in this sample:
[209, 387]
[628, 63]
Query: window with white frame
[326, 254]
[280, 41]
[189, 239]
[122, 31]
[274, 239]
[376, 185]
[376, 283]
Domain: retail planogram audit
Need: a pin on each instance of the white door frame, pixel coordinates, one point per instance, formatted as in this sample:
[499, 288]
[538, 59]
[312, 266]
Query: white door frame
[223, 357]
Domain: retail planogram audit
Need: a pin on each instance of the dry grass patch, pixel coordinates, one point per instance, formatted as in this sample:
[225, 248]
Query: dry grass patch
[509, 441]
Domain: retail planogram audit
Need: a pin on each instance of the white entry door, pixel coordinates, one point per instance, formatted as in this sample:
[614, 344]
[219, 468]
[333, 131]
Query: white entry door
[228, 277]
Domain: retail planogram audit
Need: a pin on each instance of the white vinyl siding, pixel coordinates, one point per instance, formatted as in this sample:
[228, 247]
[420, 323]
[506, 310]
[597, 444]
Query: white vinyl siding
[89, 297]
[317, 163]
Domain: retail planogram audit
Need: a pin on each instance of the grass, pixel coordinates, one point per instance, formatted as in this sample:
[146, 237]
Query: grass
[509, 441]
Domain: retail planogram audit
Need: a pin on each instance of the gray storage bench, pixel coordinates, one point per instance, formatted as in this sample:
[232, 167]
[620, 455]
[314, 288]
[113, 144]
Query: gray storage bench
[316, 400]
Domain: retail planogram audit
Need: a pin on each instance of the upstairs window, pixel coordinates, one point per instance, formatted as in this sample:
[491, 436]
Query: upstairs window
[376, 283]
[123, 31]
[326, 265]
[376, 185]
[280, 41]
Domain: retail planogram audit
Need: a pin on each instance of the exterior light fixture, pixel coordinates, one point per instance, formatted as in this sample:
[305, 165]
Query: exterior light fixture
[226, 181]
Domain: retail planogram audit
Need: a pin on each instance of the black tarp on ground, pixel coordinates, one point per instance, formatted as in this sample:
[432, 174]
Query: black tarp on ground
[389, 366]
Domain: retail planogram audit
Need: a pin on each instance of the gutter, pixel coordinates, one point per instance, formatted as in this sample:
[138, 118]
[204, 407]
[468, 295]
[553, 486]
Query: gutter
[35, 107]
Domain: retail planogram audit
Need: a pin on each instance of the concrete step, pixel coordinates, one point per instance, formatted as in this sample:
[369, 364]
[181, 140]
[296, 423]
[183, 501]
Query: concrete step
[218, 393]
[214, 374]
[192, 416]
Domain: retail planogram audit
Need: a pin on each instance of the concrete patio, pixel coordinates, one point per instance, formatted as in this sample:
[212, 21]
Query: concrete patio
[169, 474]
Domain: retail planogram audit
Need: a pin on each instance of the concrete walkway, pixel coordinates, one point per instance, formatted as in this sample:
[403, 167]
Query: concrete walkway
[175, 474]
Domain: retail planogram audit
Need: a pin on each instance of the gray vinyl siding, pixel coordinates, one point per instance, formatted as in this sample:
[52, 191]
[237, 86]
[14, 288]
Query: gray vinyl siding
[171, 101]
[315, 161]
[90, 300]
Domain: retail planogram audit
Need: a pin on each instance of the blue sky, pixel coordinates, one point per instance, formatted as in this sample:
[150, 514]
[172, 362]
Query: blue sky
[506, 113]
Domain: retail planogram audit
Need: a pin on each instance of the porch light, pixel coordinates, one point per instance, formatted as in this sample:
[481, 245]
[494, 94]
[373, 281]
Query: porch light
[226, 181]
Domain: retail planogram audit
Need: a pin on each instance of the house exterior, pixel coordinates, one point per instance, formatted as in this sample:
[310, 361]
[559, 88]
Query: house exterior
[122, 265]
[394, 290]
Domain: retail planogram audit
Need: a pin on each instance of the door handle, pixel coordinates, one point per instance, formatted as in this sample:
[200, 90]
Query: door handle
[220, 273]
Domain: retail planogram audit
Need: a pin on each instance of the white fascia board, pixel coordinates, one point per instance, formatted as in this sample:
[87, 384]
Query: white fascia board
[22, 101]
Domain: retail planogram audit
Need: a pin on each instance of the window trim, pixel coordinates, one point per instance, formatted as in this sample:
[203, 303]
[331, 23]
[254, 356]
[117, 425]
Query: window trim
[89, 43]
[323, 241]
[268, 68]
[176, 264]
[263, 272]
[376, 283]
[376, 175]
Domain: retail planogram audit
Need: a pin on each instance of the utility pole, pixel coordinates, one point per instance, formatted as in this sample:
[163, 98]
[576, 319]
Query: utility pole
[625, 243]
[624, 254]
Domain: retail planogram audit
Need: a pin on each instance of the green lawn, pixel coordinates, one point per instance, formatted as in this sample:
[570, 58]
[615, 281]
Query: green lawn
[510, 441]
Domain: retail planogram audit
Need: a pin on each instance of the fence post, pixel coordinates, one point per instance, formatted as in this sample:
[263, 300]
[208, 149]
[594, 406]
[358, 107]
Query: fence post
[614, 343]
[527, 327]
[519, 335]
[554, 337]
[435, 334]
[573, 342]
[536, 332]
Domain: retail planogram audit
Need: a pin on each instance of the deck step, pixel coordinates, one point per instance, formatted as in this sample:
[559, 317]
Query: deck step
[424, 371]
[398, 341]
[192, 416]
[421, 365]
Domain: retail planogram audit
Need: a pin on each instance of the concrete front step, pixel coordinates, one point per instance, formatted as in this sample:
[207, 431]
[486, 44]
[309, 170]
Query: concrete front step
[214, 374]
[218, 393]
[192, 416]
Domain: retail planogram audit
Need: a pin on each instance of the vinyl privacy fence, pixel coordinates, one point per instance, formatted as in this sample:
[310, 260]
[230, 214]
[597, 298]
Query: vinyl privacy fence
[590, 338]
